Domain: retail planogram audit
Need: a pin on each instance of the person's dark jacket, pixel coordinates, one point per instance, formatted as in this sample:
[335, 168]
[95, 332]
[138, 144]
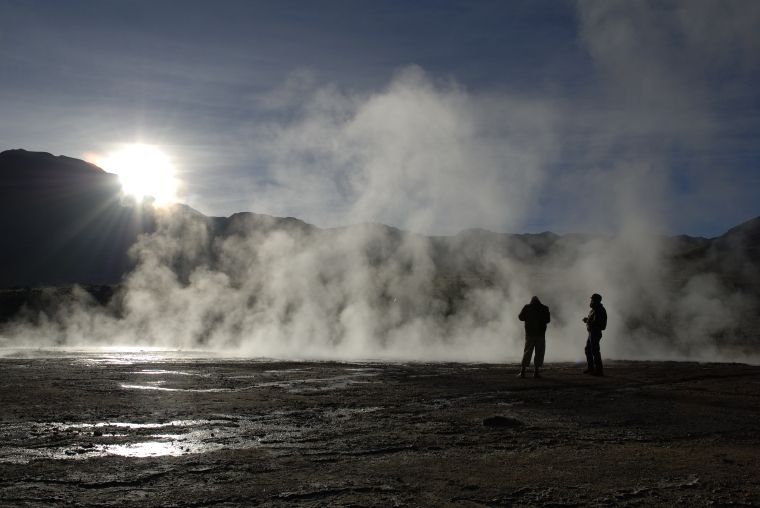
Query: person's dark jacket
[597, 318]
[536, 316]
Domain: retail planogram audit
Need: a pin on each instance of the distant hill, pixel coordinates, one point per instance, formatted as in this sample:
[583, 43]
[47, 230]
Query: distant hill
[62, 222]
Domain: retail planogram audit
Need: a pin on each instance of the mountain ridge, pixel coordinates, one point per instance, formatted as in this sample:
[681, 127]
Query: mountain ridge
[85, 231]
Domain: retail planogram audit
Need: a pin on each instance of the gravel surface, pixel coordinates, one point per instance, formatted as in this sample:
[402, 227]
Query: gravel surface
[154, 429]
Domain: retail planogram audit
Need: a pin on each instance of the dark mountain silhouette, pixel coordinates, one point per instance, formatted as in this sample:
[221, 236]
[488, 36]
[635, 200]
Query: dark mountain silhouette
[62, 222]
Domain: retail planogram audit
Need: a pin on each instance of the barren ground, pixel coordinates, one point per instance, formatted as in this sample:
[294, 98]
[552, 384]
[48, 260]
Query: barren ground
[151, 429]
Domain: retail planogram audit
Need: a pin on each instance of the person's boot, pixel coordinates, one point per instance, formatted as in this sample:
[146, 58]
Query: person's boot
[588, 370]
[522, 372]
[536, 374]
[598, 372]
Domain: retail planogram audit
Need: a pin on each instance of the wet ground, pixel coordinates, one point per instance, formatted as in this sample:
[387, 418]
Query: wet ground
[157, 429]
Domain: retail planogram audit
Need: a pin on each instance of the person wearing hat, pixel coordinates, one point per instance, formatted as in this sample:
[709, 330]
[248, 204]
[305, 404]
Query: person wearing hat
[596, 321]
[536, 316]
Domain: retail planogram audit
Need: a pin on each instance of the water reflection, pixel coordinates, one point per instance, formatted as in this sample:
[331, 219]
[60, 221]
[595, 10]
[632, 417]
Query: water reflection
[307, 385]
[108, 355]
[155, 386]
[160, 371]
[76, 441]
[146, 449]
[130, 425]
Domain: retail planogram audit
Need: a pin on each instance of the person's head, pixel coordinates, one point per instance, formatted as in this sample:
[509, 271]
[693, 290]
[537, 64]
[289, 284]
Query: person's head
[596, 299]
[535, 300]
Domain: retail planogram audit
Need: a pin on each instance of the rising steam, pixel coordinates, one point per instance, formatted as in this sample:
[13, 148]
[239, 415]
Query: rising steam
[432, 157]
[280, 288]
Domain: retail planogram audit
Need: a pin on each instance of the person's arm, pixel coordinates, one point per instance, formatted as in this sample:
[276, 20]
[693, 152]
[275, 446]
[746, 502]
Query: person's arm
[521, 317]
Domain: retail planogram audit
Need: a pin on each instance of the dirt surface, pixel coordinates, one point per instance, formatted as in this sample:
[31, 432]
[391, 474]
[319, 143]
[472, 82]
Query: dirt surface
[136, 429]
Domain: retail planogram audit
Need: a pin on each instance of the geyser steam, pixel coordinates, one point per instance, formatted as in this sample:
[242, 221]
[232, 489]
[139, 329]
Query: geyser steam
[281, 288]
[434, 158]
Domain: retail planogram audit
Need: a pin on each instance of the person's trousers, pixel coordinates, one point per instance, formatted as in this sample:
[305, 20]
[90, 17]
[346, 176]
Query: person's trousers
[537, 342]
[593, 351]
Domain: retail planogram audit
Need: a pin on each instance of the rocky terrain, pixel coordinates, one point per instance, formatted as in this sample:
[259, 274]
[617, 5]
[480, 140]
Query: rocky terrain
[162, 429]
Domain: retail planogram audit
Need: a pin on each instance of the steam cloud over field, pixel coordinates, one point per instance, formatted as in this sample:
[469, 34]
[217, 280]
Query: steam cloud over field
[425, 154]
[256, 285]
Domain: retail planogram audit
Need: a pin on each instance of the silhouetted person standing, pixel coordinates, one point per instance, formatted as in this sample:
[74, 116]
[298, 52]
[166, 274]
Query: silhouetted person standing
[536, 316]
[596, 321]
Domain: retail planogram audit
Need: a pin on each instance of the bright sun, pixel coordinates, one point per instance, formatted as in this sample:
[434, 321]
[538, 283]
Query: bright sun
[144, 171]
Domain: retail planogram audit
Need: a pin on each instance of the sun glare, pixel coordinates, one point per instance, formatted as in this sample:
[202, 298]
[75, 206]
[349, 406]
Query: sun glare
[144, 172]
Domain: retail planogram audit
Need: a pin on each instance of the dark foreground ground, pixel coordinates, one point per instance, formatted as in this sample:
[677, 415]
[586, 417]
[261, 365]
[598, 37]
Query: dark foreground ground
[149, 430]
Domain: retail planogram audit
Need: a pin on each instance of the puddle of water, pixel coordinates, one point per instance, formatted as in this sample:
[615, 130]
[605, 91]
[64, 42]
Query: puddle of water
[186, 437]
[24, 442]
[297, 385]
[328, 383]
[126, 359]
[156, 386]
[158, 372]
[130, 425]
[146, 449]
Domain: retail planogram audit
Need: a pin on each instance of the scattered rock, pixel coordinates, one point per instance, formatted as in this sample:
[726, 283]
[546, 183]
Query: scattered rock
[502, 421]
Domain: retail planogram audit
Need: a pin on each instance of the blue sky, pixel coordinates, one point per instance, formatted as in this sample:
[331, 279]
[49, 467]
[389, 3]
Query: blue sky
[514, 116]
